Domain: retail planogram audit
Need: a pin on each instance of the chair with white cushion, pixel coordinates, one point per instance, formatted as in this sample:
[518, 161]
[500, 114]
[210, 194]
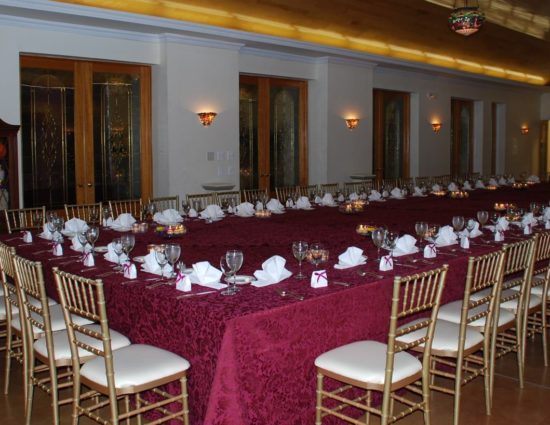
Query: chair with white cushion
[43, 327]
[166, 202]
[116, 373]
[367, 366]
[464, 327]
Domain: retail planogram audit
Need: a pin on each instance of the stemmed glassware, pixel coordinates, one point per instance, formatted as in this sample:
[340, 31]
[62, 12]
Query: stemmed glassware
[128, 243]
[421, 228]
[106, 214]
[391, 240]
[299, 250]
[458, 224]
[92, 233]
[230, 264]
[482, 217]
[172, 252]
[494, 218]
[317, 254]
[118, 248]
[378, 235]
[82, 239]
[185, 207]
[162, 258]
[94, 216]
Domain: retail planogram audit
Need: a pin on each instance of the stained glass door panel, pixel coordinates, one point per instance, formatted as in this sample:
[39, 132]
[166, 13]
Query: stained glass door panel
[248, 136]
[461, 136]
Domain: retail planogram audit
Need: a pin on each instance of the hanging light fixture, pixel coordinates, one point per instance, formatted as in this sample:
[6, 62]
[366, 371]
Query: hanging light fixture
[466, 20]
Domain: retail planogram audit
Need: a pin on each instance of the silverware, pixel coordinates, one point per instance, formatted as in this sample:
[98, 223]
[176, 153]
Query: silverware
[340, 283]
[85, 269]
[363, 273]
[284, 293]
[411, 266]
[195, 294]
[106, 274]
[447, 253]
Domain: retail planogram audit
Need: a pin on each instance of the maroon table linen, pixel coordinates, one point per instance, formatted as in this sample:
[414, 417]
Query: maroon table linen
[252, 355]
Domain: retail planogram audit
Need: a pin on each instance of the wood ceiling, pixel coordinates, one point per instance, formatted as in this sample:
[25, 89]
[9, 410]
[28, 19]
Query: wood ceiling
[514, 42]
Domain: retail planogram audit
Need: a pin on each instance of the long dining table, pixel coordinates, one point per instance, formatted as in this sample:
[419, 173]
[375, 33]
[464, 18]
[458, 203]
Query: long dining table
[252, 354]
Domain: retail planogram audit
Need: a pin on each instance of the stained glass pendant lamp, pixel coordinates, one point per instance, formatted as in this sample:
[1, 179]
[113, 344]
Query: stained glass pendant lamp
[466, 20]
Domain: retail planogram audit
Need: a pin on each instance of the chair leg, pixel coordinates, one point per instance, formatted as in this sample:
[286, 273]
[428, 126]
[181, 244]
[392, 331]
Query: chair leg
[458, 387]
[487, 376]
[426, 398]
[184, 400]
[138, 405]
[76, 398]
[369, 401]
[127, 407]
[543, 325]
[54, 393]
[7, 360]
[29, 396]
[319, 398]
[520, 343]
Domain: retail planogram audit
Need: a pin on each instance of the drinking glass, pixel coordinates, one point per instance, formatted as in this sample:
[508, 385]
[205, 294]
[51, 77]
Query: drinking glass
[391, 240]
[299, 250]
[118, 247]
[37, 220]
[92, 233]
[378, 235]
[82, 239]
[50, 224]
[233, 263]
[161, 257]
[58, 223]
[106, 214]
[458, 224]
[316, 253]
[151, 210]
[494, 218]
[94, 216]
[482, 217]
[185, 207]
[128, 243]
[421, 227]
[173, 252]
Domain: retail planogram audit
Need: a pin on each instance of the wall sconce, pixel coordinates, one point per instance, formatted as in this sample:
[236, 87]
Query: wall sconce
[436, 127]
[525, 130]
[352, 123]
[206, 118]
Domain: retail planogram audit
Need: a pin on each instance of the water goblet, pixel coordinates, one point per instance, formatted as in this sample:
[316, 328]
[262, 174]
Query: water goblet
[494, 218]
[58, 223]
[82, 239]
[421, 227]
[299, 250]
[92, 233]
[118, 248]
[482, 217]
[161, 258]
[128, 243]
[391, 240]
[151, 210]
[234, 261]
[378, 235]
[185, 207]
[315, 254]
[173, 252]
[458, 224]
[52, 227]
[94, 216]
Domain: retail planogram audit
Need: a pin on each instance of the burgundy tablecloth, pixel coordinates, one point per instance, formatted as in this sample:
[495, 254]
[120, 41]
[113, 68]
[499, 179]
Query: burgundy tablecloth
[252, 354]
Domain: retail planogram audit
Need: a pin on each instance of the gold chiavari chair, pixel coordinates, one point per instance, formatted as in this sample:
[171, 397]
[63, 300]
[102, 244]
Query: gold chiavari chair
[87, 212]
[166, 202]
[443, 179]
[465, 327]
[283, 193]
[331, 188]
[389, 184]
[423, 181]
[406, 182]
[25, 218]
[40, 323]
[230, 198]
[307, 190]
[115, 373]
[128, 206]
[386, 368]
[253, 195]
[358, 186]
[199, 201]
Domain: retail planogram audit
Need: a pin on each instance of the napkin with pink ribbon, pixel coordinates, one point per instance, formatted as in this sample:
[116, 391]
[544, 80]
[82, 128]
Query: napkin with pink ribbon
[353, 196]
[502, 181]
[452, 187]
[480, 184]
[430, 251]
[386, 263]
[493, 182]
[167, 217]
[418, 192]
[374, 196]
[528, 222]
[467, 186]
[319, 279]
[57, 249]
[76, 245]
[499, 234]
[273, 271]
[27, 236]
[303, 203]
[183, 282]
[46, 234]
[123, 221]
[130, 271]
[436, 188]
[275, 206]
[327, 200]
[533, 179]
[396, 193]
[88, 259]
[212, 212]
[246, 209]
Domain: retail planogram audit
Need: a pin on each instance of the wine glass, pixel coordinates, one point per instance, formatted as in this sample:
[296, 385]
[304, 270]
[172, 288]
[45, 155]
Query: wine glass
[299, 250]
[494, 218]
[378, 235]
[233, 261]
[92, 233]
[162, 258]
[390, 240]
[37, 220]
[128, 243]
[82, 239]
[173, 252]
[151, 210]
[94, 216]
[118, 248]
[458, 224]
[185, 207]
[315, 254]
[421, 227]
[482, 217]
[106, 214]
[58, 223]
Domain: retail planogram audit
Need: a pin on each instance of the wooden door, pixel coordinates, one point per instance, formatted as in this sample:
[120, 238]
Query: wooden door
[462, 131]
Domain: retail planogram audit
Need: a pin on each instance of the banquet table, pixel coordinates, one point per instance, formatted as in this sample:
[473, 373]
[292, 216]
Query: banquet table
[252, 355]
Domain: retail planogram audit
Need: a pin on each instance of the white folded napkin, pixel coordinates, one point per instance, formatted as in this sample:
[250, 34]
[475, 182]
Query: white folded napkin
[405, 245]
[273, 271]
[528, 222]
[480, 184]
[475, 232]
[546, 214]
[418, 192]
[452, 187]
[259, 206]
[375, 196]
[430, 251]
[213, 212]
[493, 182]
[108, 222]
[511, 180]
[57, 249]
[205, 274]
[275, 206]
[446, 236]
[75, 225]
[341, 198]
[88, 259]
[303, 203]
[353, 196]
[289, 203]
[183, 283]
[503, 223]
[319, 279]
[112, 257]
[396, 193]
[464, 242]
[193, 213]
[499, 234]
[327, 200]
[385, 194]
[246, 209]
[502, 181]
[386, 263]
[533, 179]
[467, 185]
[318, 200]
[123, 221]
[46, 234]
[76, 245]
[351, 257]
[130, 271]
[27, 236]
[169, 216]
[150, 265]
[436, 188]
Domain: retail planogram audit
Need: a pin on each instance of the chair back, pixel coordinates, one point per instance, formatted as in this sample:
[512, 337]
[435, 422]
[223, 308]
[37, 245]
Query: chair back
[252, 195]
[283, 193]
[90, 213]
[308, 190]
[331, 188]
[541, 264]
[358, 186]
[199, 201]
[7, 274]
[128, 206]
[22, 218]
[229, 198]
[166, 202]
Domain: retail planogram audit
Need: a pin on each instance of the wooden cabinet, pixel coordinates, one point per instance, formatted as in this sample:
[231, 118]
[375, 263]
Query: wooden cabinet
[9, 179]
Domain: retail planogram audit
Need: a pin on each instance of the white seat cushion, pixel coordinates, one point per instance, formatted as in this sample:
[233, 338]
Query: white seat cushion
[451, 313]
[56, 319]
[62, 348]
[365, 361]
[2, 308]
[445, 335]
[15, 310]
[135, 365]
[537, 290]
[512, 304]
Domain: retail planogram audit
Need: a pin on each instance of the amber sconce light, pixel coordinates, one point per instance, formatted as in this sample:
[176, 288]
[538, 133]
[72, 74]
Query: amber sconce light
[207, 118]
[352, 123]
[525, 130]
[436, 127]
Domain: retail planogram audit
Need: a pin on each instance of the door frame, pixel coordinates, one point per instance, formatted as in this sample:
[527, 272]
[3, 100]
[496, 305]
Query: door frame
[456, 133]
